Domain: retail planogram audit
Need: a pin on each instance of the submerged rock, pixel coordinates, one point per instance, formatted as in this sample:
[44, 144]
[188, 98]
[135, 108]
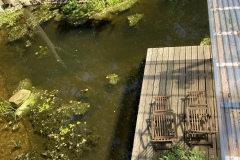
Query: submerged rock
[24, 84]
[134, 19]
[25, 107]
[19, 97]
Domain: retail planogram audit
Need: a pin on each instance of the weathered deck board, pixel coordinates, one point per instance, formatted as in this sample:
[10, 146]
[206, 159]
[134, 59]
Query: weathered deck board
[172, 71]
[224, 18]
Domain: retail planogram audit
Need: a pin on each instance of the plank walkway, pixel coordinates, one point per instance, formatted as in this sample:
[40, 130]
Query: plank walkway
[224, 18]
[173, 72]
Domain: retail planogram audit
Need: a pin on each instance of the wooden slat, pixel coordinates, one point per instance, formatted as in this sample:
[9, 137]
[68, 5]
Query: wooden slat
[194, 68]
[182, 89]
[169, 81]
[176, 104]
[145, 138]
[211, 100]
[137, 145]
[162, 88]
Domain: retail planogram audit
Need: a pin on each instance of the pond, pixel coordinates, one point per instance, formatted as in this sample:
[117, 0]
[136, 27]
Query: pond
[92, 53]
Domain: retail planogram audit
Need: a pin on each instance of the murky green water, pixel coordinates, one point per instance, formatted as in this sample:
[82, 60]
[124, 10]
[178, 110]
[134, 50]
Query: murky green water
[90, 54]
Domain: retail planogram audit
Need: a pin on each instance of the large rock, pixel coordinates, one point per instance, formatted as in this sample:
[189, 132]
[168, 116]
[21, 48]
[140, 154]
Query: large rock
[19, 97]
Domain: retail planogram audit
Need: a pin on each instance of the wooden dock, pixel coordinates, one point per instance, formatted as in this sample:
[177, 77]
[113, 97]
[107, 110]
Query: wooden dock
[224, 18]
[173, 71]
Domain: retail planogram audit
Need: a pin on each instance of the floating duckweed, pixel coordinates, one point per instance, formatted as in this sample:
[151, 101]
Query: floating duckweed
[71, 125]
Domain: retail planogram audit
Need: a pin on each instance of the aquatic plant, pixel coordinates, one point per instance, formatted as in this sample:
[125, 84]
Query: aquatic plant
[113, 2]
[107, 13]
[181, 153]
[19, 24]
[69, 7]
[113, 78]
[78, 14]
[10, 19]
[205, 41]
[42, 51]
[28, 43]
[60, 122]
[134, 19]
[5, 107]
[17, 144]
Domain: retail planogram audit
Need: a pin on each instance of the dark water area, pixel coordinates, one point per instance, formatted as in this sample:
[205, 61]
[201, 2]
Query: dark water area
[91, 53]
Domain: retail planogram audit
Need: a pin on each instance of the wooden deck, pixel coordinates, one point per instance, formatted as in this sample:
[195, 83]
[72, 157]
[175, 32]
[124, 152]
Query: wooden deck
[173, 72]
[224, 18]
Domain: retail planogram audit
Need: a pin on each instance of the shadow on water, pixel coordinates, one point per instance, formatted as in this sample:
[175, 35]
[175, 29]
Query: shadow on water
[122, 141]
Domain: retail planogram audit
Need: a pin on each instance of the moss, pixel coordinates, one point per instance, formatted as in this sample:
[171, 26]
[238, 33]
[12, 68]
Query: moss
[17, 32]
[10, 19]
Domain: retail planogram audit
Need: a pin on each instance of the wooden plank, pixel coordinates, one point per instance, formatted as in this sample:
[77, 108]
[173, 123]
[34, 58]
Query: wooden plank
[182, 89]
[162, 88]
[146, 147]
[138, 131]
[211, 100]
[158, 71]
[175, 86]
[169, 81]
[194, 68]
[201, 87]
[154, 91]
[188, 69]
[201, 69]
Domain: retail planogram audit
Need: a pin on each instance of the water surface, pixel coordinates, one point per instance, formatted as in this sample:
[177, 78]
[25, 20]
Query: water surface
[91, 53]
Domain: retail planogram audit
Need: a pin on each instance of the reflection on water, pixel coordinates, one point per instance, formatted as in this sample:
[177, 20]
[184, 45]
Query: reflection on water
[90, 54]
